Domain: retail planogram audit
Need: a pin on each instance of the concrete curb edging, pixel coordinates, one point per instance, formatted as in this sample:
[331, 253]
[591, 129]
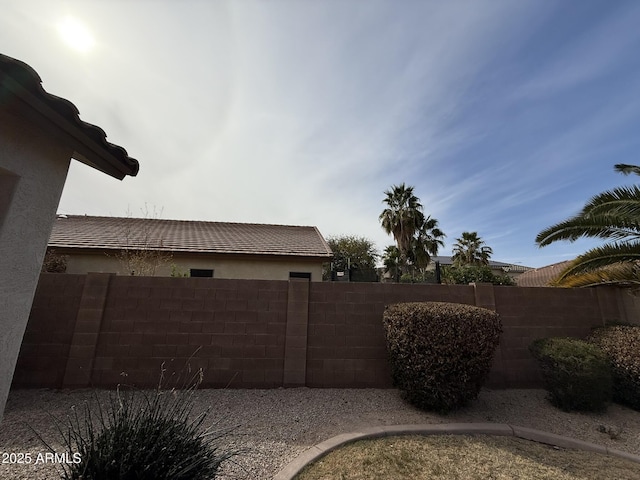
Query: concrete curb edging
[321, 449]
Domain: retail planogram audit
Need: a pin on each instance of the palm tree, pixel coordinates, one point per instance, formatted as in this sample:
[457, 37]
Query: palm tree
[612, 215]
[426, 242]
[470, 249]
[391, 261]
[402, 217]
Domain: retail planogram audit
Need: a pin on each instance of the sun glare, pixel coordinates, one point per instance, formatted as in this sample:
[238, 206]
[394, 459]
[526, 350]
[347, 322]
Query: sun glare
[76, 35]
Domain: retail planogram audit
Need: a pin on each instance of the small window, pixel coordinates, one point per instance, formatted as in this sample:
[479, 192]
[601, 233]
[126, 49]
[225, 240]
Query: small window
[300, 275]
[200, 272]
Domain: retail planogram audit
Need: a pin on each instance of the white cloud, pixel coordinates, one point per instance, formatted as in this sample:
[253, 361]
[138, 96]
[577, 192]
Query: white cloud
[305, 112]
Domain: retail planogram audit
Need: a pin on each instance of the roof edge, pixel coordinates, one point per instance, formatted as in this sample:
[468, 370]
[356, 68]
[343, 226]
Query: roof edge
[62, 117]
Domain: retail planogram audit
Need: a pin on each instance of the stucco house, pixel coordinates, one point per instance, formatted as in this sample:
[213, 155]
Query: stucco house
[40, 135]
[157, 247]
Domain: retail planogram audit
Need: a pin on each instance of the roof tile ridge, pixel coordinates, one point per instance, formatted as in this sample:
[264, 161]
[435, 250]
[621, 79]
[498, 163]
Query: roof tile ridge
[29, 81]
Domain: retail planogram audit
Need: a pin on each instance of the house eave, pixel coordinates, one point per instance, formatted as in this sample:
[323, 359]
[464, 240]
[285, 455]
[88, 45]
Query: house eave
[61, 119]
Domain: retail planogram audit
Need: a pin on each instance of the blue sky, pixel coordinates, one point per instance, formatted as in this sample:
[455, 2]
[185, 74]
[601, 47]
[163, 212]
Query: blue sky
[506, 116]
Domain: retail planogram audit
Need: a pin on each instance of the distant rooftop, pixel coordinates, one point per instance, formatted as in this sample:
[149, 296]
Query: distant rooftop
[117, 233]
[540, 277]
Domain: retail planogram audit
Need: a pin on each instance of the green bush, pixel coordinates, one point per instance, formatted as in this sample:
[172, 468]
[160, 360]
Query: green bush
[621, 345]
[440, 353]
[466, 274]
[141, 435]
[54, 263]
[576, 373]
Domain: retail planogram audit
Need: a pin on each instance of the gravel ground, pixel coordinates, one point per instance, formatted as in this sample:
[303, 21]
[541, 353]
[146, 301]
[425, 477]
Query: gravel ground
[274, 426]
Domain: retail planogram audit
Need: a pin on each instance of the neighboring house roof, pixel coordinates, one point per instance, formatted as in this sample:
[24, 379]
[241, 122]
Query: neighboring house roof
[540, 277]
[117, 233]
[21, 91]
[507, 267]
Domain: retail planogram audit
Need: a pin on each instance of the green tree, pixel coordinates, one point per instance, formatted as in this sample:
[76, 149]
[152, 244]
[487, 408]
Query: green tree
[613, 215]
[353, 254]
[426, 242]
[391, 261]
[402, 217]
[470, 249]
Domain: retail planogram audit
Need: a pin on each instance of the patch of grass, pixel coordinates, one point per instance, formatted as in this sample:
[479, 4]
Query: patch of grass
[464, 457]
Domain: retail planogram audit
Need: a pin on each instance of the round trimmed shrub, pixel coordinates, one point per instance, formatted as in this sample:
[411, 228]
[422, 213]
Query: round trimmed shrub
[621, 345]
[576, 373]
[440, 353]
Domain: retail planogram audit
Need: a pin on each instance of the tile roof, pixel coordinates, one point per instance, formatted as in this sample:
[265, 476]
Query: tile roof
[79, 231]
[21, 91]
[540, 277]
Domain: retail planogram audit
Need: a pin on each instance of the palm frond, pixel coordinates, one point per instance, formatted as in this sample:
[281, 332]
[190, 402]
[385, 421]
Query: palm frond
[626, 169]
[622, 203]
[622, 274]
[596, 226]
[601, 257]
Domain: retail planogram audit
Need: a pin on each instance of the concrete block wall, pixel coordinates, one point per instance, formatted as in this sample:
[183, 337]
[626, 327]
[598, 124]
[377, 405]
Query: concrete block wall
[233, 330]
[47, 340]
[531, 313]
[100, 330]
[346, 345]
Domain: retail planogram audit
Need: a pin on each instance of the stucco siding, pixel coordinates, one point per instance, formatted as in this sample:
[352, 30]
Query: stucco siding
[39, 167]
[229, 266]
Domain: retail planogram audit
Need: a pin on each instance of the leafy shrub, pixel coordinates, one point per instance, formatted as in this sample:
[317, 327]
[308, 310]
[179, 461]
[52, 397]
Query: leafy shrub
[576, 374]
[440, 352]
[142, 435]
[621, 345]
[467, 274]
[54, 262]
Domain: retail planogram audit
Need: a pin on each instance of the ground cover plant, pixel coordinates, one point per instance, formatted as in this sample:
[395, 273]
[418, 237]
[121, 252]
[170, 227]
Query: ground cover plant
[464, 457]
[142, 435]
[576, 374]
[440, 353]
[621, 345]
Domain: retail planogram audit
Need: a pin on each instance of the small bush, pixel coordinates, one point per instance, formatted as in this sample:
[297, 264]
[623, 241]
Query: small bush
[54, 263]
[141, 435]
[576, 374]
[621, 345]
[440, 353]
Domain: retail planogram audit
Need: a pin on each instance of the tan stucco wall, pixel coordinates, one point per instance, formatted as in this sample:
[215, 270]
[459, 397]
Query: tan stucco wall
[223, 266]
[40, 165]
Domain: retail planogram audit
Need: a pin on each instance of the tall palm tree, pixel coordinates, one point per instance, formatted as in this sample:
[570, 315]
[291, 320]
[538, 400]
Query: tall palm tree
[613, 215]
[402, 217]
[426, 242]
[470, 249]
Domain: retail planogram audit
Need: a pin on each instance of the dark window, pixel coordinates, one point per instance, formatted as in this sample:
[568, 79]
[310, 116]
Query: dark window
[200, 272]
[300, 275]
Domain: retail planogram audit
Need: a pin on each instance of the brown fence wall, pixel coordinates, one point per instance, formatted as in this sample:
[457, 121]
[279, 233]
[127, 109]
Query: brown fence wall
[101, 329]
